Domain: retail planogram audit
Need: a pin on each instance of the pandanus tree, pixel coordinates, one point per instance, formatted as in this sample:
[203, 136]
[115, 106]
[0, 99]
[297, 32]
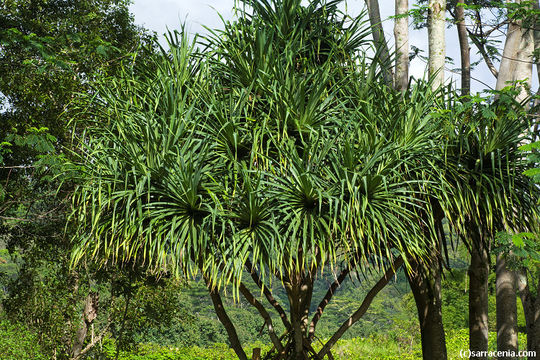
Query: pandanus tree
[276, 154]
[489, 192]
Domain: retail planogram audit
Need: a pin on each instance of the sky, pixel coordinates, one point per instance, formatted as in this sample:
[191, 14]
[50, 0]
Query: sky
[160, 15]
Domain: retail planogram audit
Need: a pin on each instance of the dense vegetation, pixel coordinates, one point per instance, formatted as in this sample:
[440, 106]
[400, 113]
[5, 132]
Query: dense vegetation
[266, 186]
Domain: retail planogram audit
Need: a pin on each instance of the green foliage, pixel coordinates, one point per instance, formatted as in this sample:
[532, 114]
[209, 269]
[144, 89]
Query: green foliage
[17, 342]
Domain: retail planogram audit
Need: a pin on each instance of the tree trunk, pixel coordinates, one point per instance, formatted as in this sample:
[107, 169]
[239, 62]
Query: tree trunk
[506, 308]
[531, 309]
[464, 49]
[226, 321]
[478, 295]
[89, 315]
[516, 64]
[437, 45]
[426, 289]
[401, 36]
[299, 288]
[517, 58]
[379, 38]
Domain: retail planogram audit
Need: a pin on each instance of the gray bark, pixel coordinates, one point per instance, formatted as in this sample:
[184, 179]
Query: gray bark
[401, 36]
[426, 289]
[89, 315]
[390, 272]
[507, 339]
[226, 321]
[437, 45]
[516, 62]
[531, 309]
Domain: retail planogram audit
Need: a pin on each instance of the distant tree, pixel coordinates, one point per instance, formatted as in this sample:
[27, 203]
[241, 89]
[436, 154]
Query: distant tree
[50, 52]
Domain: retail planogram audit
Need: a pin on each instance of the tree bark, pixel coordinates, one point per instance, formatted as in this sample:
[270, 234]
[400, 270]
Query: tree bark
[536, 127]
[517, 58]
[531, 309]
[516, 64]
[464, 48]
[401, 36]
[226, 321]
[426, 289]
[436, 39]
[264, 314]
[506, 308]
[89, 315]
[478, 294]
[327, 297]
[379, 38]
[268, 294]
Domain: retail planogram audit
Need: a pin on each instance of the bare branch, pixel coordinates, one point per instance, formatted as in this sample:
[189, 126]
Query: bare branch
[267, 319]
[268, 294]
[481, 48]
[93, 342]
[390, 272]
[322, 305]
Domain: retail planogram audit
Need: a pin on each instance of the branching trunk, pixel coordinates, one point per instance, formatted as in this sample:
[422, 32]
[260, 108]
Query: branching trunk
[426, 289]
[401, 36]
[437, 45]
[268, 294]
[89, 315]
[507, 339]
[264, 314]
[390, 272]
[478, 293]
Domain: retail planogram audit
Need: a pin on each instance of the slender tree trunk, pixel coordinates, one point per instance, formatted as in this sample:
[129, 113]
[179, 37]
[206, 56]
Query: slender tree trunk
[506, 308]
[437, 44]
[537, 62]
[226, 321]
[478, 295]
[464, 49]
[379, 38]
[401, 36]
[531, 309]
[426, 289]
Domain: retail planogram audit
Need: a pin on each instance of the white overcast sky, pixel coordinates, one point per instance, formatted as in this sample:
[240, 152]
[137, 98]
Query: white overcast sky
[158, 15]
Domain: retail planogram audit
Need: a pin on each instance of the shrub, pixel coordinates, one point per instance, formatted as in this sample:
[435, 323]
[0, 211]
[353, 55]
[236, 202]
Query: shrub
[18, 343]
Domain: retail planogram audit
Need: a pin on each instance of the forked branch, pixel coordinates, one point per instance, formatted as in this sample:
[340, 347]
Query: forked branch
[390, 272]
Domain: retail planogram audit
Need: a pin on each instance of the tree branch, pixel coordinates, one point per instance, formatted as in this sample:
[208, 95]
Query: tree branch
[484, 53]
[268, 294]
[225, 320]
[267, 319]
[93, 342]
[390, 272]
[326, 299]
